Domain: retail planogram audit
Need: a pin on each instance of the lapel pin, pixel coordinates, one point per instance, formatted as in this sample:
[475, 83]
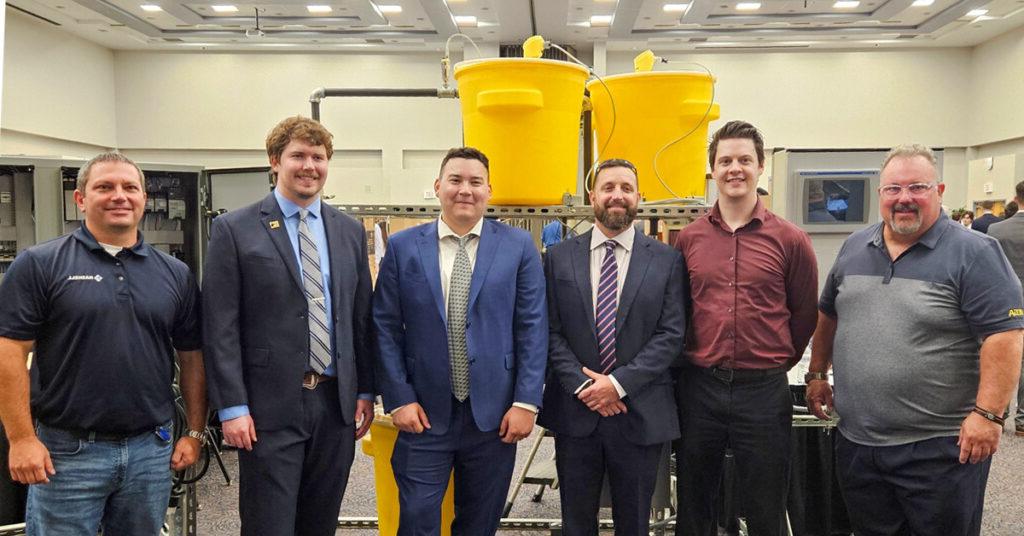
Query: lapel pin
[274, 224]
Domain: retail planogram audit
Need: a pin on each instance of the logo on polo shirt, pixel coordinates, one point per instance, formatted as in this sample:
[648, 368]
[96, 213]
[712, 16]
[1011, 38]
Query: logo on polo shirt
[97, 278]
[1016, 312]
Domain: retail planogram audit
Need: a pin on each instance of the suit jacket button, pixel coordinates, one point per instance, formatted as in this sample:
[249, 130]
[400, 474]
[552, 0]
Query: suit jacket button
[301, 315]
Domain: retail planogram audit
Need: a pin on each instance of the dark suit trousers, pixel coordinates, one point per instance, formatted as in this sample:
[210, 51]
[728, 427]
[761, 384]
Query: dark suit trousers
[293, 480]
[632, 472]
[483, 470]
[753, 418]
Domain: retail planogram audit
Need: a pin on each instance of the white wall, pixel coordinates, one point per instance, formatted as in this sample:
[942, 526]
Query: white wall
[56, 85]
[838, 99]
[190, 108]
[994, 109]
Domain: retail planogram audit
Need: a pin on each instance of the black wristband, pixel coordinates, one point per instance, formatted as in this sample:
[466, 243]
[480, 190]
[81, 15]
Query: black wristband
[990, 416]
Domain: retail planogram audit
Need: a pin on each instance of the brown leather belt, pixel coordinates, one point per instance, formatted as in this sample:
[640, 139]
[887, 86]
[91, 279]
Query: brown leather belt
[311, 380]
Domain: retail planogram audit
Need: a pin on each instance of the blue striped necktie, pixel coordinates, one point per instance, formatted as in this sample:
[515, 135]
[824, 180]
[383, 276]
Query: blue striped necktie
[607, 306]
[313, 284]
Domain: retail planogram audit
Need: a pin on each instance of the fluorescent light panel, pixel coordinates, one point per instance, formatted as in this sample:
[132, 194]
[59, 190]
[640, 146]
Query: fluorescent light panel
[675, 8]
[465, 21]
[923, 3]
[600, 20]
[748, 6]
[152, 8]
[976, 12]
[390, 9]
[318, 9]
[224, 8]
[846, 4]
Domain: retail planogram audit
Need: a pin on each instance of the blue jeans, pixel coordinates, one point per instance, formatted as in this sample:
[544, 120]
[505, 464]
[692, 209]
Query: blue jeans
[125, 485]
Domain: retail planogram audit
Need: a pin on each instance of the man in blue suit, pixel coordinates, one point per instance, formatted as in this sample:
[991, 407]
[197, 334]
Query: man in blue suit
[461, 325]
[617, 319]
[286, 313]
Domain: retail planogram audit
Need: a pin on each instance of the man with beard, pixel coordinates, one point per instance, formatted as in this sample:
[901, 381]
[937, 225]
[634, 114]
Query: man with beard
[616, 316]
[753, 278]
[921, 320]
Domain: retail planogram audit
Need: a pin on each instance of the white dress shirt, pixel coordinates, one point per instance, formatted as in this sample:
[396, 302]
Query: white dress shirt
[623, 250]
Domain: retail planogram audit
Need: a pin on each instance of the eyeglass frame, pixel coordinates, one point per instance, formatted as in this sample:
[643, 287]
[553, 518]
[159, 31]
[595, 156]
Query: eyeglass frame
[897, 194]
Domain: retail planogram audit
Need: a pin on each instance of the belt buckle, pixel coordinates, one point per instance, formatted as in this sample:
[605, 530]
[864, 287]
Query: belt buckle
[721, 374]
[310, 381]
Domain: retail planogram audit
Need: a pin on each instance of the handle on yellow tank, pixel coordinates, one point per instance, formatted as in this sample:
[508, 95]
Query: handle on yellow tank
[502, 100]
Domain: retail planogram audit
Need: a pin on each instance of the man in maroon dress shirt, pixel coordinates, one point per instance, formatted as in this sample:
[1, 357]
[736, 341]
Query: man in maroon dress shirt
[753, 283]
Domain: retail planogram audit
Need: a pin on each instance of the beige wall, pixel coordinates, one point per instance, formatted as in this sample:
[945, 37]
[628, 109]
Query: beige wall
[838, 99]
[997, 88]
[56, 85]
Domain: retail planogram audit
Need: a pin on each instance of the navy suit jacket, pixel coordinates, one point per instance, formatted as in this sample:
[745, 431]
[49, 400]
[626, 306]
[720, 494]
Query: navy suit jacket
[506, 325]
[255, 331]
[649, 328]
[982, 222]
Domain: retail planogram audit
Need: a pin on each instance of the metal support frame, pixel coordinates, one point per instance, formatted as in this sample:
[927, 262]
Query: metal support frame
[689, 212]
[320, 93]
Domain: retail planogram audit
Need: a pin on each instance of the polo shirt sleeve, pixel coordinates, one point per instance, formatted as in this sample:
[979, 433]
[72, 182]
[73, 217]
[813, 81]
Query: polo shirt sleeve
[990, 293]
[24, 298]
[187, 332]
[827, 302]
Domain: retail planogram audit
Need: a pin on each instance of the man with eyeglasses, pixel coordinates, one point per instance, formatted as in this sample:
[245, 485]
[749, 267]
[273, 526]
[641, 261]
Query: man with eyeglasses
[921, 320]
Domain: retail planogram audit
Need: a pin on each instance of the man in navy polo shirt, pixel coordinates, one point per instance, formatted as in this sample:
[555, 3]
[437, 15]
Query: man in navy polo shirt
[921, 320]
[105, 312]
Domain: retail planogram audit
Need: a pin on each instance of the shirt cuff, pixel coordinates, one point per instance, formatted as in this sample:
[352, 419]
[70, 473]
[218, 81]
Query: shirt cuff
[364, 396]
[233, 412]
[618, 386]
[528, 407]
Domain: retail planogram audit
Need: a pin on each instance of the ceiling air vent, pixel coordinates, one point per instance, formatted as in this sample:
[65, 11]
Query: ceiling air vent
[375, 41]
[173, 40]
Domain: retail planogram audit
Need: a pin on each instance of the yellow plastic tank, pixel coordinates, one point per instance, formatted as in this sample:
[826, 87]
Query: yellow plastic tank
[379, 444]
[524, 114]
[652, 111]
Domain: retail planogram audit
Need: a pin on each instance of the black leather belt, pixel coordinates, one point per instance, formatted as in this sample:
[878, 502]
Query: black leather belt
[311, 380]
[729, 375]
[86, 435]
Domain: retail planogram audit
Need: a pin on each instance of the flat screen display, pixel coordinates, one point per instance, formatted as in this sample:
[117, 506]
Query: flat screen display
[834, 200]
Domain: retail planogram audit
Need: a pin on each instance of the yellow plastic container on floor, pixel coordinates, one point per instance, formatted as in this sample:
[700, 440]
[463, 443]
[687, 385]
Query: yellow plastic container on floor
[652, 111]
[379, 444]
[524, 114]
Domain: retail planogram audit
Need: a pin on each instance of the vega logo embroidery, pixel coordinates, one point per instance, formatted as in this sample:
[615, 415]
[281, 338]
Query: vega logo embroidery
[97, 278]
[1016, 312]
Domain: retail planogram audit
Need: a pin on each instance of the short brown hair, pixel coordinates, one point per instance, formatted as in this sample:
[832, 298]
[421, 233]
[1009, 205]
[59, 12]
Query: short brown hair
[614, 163]
[83, 172]
[737, 130]
[469, 153]
[1020, 191]
[298, 128]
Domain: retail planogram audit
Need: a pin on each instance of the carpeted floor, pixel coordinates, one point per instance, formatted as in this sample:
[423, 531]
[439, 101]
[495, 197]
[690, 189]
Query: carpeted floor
[218, 515]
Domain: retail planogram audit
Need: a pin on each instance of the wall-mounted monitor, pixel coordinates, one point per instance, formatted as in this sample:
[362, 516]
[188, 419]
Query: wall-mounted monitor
[836, 201]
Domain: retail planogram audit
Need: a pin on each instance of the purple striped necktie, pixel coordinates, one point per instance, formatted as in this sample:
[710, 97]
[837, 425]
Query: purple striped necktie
[607, 306]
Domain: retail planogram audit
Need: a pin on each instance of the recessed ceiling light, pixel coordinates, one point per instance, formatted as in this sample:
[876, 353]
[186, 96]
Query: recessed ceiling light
[151, 7]
[846, 4]
[748, 6]
[318, 9]
[466, 21]
[976, 12]
[675, 8]
[600, 20]
[923, 3]
[388, 10]
[224, 9]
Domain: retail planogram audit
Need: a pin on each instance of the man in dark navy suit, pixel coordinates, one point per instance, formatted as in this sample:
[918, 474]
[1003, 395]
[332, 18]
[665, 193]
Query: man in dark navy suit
[617, 319]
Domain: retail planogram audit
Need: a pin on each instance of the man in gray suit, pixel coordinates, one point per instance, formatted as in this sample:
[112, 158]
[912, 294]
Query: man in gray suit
[617, 318]
[1010, 233]
[286, 318]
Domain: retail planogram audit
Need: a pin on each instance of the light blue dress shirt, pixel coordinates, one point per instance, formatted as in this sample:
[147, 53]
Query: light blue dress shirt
[316, 226]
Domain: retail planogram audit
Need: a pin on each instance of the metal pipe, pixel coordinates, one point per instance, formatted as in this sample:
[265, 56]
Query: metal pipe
[321, 93]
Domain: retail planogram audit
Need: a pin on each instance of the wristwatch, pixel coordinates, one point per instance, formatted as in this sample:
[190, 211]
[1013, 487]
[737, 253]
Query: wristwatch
[811, 376]
[198, 436]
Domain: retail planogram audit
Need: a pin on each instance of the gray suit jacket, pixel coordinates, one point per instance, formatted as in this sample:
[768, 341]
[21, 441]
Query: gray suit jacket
[1010, 233]
[650, 326]
[255, 331]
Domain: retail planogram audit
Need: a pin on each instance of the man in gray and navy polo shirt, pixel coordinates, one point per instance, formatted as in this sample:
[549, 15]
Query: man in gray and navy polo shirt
[105, 313]
[921, 320]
